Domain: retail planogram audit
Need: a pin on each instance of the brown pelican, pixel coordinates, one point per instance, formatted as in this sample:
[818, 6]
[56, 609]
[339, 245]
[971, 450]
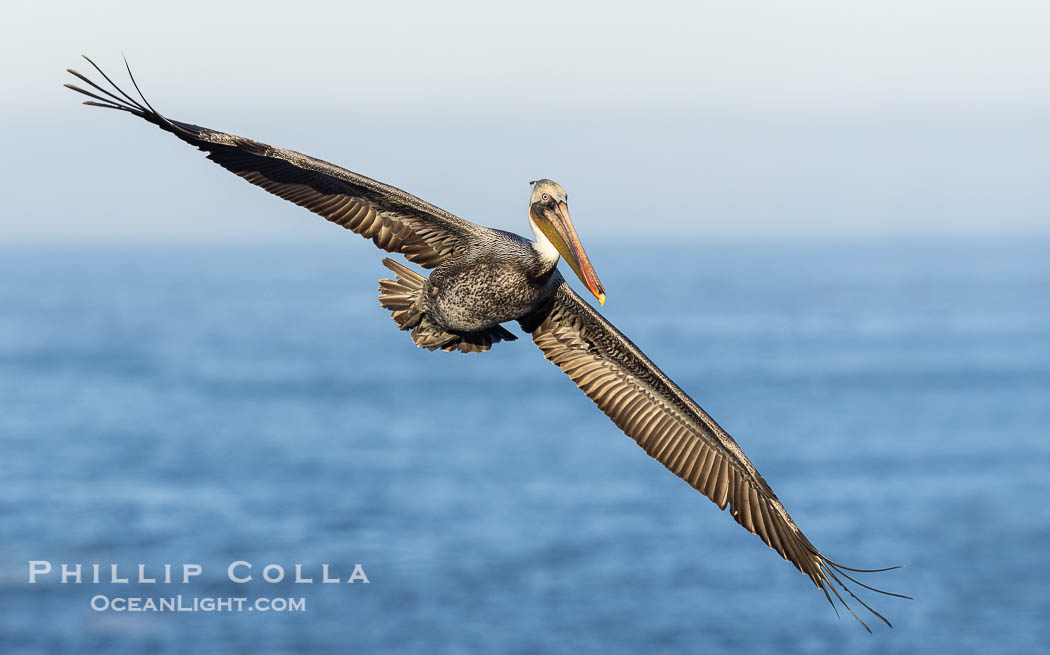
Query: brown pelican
[483, 278]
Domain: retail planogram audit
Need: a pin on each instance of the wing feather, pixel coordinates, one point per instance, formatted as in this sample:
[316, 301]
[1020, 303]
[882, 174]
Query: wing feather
[393, 219]
[673, 429]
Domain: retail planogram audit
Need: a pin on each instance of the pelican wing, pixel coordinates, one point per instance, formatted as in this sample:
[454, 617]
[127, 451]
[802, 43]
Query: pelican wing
[396, 221]
[651, 409]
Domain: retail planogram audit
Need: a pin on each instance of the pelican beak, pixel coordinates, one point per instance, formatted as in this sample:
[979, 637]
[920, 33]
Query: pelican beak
[557, 226]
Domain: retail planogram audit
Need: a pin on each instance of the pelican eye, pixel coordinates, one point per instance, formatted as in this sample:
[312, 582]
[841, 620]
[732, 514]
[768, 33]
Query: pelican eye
[545, 197]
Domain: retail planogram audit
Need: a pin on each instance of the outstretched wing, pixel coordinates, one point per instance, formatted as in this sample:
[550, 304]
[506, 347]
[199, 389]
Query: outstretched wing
[396, 221]
[651, 409]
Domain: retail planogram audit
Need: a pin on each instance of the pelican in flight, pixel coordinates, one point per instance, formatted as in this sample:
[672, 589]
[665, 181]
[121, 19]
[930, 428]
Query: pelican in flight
[482, 278]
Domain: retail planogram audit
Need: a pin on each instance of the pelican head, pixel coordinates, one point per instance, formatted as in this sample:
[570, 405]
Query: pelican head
[549, 214]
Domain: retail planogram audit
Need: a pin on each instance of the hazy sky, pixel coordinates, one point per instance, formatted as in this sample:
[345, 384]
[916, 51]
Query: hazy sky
[737, 120]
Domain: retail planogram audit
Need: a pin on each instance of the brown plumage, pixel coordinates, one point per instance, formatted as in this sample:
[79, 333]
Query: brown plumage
[651, 409]
[484, 277]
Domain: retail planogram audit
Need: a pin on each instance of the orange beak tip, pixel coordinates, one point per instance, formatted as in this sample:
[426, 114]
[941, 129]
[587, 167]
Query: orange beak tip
[601, 299]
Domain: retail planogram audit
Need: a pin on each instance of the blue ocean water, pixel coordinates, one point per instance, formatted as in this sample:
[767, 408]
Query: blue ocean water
[214, 404]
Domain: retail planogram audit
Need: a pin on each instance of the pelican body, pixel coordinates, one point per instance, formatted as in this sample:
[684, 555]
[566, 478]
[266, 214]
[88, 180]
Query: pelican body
[483, 278]
[502, 277]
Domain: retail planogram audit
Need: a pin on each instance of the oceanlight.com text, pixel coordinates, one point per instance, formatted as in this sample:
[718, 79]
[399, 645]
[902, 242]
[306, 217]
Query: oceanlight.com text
[179, 603]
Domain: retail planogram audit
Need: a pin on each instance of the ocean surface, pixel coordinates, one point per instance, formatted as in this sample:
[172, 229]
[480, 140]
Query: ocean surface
[208, 405]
